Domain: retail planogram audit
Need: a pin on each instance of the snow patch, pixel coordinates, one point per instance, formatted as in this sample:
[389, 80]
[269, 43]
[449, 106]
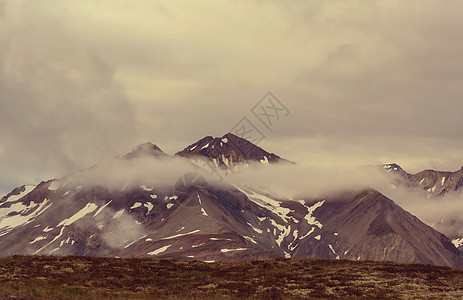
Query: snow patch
[250, 239]
[27, 190]
[9, 222]
[149, 205]
[127, 246]
[230, 250]
[47, 229]
[311, 220]
[146, 188]
[118, 214]
[54, 239]
[334, 252]
[137, 204]
[159, 251]
[458, 242]
[89, 208]
[269, 203]
[254, 228]
[101, 208]
[318, 237]
[180, 234]
[169, 205]
[40, 238]
[204, 213]
[308, 233]
[284, 231]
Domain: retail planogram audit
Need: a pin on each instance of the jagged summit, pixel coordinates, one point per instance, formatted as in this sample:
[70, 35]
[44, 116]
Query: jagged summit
[145, 149]
[396, 169]
[228, 150]
[434, 183]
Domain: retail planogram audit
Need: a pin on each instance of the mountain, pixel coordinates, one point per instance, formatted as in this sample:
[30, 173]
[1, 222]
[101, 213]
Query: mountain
[437, 183]
[436, 186]
[396, 170]
[434, 183]
[109, 210]
[367, 225]
[145, 150]
[228, 152]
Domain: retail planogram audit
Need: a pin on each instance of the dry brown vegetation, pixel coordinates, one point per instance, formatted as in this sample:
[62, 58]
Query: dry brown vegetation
[45, 277]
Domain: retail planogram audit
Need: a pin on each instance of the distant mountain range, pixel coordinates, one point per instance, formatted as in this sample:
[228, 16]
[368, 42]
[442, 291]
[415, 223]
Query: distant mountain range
[435, 186]
[192, 219]
[434, 183]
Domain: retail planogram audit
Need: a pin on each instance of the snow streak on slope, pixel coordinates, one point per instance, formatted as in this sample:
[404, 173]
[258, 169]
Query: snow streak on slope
[27, 190]
[292, 225]
[311, 220]
[268, 203]
[16, 215]
[159, 251]
[89, 208]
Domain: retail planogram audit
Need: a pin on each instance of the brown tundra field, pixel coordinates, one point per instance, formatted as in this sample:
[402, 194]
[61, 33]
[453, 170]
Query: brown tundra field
[70, 277]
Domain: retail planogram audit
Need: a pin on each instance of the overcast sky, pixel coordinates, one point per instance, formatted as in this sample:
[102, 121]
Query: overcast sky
[365, 82]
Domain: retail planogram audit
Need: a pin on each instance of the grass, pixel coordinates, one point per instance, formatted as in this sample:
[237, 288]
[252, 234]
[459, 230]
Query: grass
[71, 277]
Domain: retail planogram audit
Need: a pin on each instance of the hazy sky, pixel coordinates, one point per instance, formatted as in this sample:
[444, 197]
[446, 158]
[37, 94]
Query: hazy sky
[365, 82]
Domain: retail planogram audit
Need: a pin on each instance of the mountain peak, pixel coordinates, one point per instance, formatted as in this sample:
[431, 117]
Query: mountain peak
[228, 150]
[145, 149]
[396, 169]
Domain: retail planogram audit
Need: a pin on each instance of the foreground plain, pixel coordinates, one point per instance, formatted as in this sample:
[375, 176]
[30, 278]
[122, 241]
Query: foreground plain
[71, 277]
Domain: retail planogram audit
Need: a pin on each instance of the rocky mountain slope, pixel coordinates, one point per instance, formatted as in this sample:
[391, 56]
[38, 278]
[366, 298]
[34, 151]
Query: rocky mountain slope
[435, 187]
[228, 152]
[434, 183]
[190, 218]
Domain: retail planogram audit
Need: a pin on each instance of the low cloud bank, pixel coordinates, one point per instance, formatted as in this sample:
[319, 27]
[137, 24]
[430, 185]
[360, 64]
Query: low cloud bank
[288, 181]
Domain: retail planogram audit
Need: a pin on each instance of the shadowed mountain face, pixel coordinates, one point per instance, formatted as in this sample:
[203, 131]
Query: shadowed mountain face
[192, 219]
[371, 226]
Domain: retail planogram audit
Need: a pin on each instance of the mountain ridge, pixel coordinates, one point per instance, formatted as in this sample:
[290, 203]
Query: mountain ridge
[219, 222]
